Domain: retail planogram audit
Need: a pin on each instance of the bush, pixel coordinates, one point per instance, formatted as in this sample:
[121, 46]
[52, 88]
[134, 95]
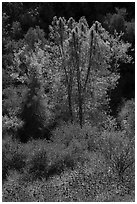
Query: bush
[65, 133]
[11, 108]
[79, 184]
[61, 158]
[126, 117]
[36, 164]
[120, 155]
[87, 182]
[10, 126]
[46, 159]
[69, 131]
[69, 134]
[13, 158]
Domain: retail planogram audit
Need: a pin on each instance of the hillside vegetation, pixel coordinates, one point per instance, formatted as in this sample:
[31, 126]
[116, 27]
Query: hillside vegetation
[61, 141]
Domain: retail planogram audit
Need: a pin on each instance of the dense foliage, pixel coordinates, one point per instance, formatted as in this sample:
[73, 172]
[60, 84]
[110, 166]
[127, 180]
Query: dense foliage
[61, 141]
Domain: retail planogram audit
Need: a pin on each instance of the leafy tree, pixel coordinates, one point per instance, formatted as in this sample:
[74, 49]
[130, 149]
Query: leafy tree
[130, 32]
[34, 35]
[36, 108]
[126, 117]
[118, 22]
[90, 60]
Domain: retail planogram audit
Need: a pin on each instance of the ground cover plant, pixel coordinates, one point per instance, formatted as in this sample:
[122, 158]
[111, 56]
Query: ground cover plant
[61, 142]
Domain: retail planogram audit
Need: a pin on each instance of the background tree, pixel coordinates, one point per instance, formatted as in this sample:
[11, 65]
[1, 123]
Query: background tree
[119, 21]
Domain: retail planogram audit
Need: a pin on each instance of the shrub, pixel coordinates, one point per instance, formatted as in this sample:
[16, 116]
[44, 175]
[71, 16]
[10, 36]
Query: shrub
[126, 117]
[10, 125]
[11, 108]
[85, 138]
[65, 133]
[36, 164]
[46, 159]
[62, 158]
[69, 131]
[13, 157]
[120, 155]
[86, 183]
[80, 184]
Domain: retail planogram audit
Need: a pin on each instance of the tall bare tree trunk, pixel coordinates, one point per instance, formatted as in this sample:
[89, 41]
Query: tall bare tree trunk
[80, 105]
[79, 95]
[90, 61]
[68, 82]
[80, 100]
[70, 101]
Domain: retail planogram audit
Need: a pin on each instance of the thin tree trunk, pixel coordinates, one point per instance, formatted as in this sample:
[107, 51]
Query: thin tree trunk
[70, 102]
[69, 88]
[80, 101]
[77, 65]
[80, 109]
[79, 96]
[90, 60]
